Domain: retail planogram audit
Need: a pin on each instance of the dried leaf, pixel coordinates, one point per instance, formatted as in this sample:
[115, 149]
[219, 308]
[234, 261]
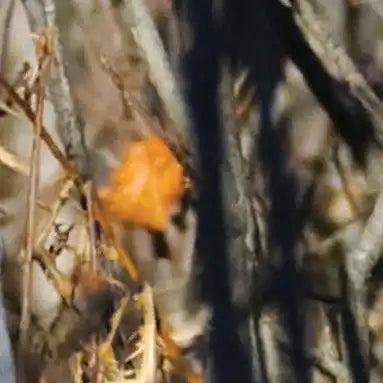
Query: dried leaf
[145, 186]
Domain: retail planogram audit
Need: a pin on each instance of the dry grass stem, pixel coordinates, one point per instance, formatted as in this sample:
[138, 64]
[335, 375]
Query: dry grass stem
[62, 283]
[148, 368]
[13, 162]
[7, 109]
[89, 193]
[116, 319]
[55, 209]
[45, 136]
[123, 257]
[43, 54]
[173, 352]
[132, 107]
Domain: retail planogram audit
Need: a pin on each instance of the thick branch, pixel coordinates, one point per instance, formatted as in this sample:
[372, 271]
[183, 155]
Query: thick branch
[69, 123]
[241, 224]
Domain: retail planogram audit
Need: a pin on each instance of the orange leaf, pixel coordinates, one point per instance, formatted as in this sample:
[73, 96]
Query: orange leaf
[145, 186]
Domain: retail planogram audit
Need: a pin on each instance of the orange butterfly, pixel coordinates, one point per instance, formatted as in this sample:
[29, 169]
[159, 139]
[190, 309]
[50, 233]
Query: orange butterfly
[145, 186]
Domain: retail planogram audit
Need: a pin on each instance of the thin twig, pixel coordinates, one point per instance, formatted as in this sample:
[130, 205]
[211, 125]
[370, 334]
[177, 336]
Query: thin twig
[62, 283]
[124, 258]
[45, 136]
[42, 48]
[118, 82]
[148, 369]
[359, 264]
[88, 191]
[345, 184]
[336, 60]
[116, 321]
[173, 352]
[132, 107]
[137, 352]
[57, 205]
[361, 260]
[7, 109]
[13, 162]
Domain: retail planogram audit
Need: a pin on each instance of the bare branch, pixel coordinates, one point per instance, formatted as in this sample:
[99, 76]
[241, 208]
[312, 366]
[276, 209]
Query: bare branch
[361, 260]
[337, 62]
[89, 193]
[45, 136]
[136, 16]
[42, 48]
[69, 122]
